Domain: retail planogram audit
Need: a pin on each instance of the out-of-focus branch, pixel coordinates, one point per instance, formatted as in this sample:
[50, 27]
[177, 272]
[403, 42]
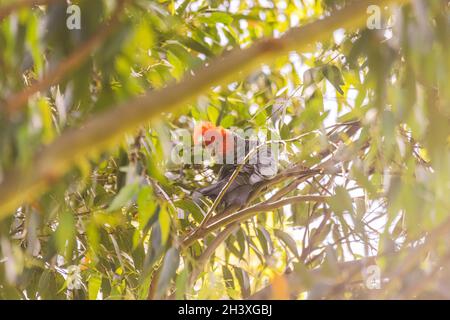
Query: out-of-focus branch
[15, 102]
[52, 162]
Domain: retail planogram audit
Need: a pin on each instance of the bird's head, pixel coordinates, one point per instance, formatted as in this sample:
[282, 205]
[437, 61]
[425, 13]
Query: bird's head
[208, 134]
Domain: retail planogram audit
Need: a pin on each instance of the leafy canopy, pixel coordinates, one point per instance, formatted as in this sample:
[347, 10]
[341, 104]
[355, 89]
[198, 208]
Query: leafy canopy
[364, 172]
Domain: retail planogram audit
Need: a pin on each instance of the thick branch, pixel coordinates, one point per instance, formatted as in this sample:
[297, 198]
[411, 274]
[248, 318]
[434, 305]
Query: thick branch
[56, 159]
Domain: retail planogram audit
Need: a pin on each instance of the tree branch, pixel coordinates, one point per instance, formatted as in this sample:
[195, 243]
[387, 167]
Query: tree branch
[247, 213]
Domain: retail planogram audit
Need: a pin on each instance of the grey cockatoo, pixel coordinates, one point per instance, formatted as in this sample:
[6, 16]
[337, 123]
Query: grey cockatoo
[231, 150]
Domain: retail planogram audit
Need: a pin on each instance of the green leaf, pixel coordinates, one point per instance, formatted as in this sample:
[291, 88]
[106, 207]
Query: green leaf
[214, 17]
[341, 202]
[197, 46]
[264, 240]
[213, 114]
[334, 76]
[168, 270]
[178, 67]
[228, 277]
[244, 281]
[47, 285]
[182, 7]
[190, 207]
[287, 240]
[94, 284]
[232, 248]
[164, 222]
[181, 283]
[312, 76]
[65, 234]
[124, 196]
[47, 121]
[146, 206]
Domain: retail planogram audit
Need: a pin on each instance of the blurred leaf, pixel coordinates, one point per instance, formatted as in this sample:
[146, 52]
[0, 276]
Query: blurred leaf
[334, 76]
[164, 222]
[168, 270]
[341, 201]
[65, 234]
[124, 196]
[244, 281]
[94, 284]
[287, 240]
[215, 17]
[146, 205]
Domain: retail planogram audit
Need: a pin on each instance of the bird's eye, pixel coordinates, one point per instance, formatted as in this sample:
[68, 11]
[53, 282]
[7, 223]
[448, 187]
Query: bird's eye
[210, 140]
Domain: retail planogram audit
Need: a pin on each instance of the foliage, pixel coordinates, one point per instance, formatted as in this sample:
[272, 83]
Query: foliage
[364, 119]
